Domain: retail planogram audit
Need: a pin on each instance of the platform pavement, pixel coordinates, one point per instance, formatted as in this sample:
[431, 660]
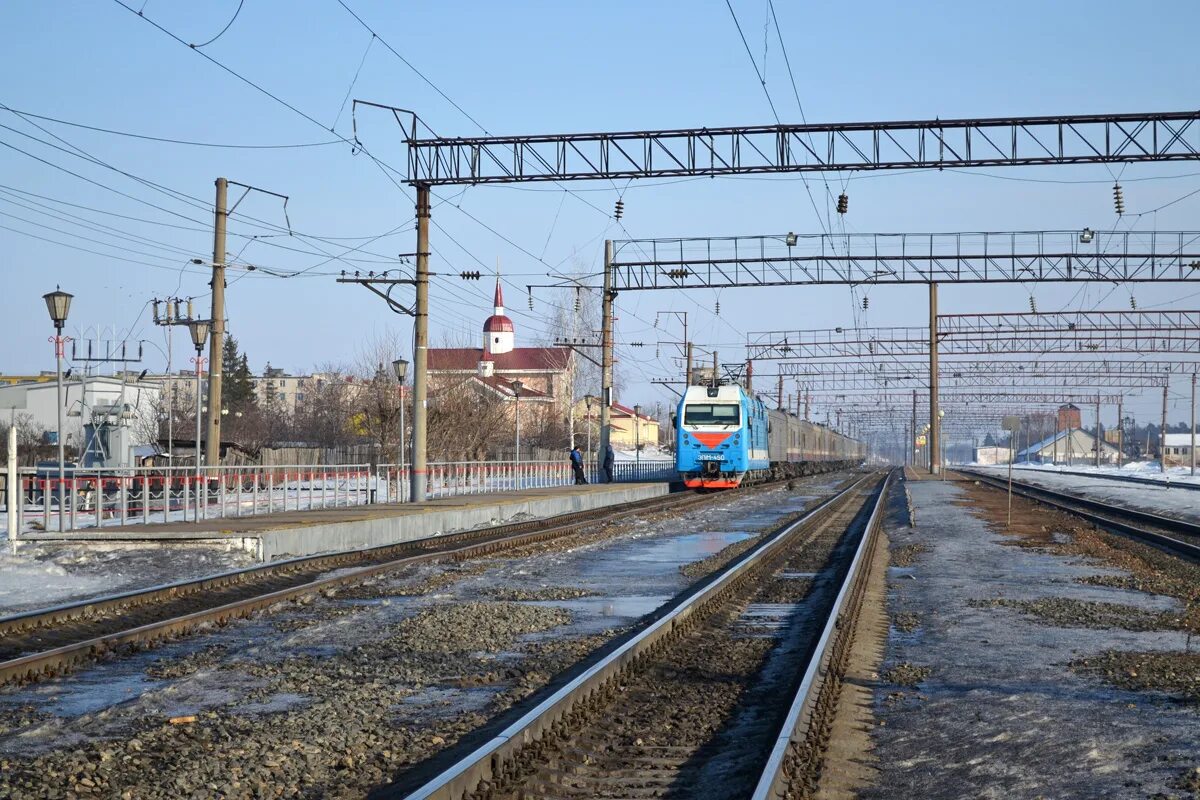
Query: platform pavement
[298, 533]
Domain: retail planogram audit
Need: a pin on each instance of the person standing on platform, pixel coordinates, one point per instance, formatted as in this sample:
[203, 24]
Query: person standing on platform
[577, 465]
[610, 459]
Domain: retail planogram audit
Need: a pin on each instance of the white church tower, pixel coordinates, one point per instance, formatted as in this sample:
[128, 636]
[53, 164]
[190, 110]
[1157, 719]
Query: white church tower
[498, 334]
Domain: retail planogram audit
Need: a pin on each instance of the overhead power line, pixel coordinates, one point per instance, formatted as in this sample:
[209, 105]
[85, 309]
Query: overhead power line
[167, 139]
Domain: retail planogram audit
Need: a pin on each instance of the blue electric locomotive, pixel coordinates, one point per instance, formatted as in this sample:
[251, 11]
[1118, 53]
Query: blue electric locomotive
[720, 437]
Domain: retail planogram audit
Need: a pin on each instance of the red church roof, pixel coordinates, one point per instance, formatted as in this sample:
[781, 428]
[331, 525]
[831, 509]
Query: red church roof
[547, 359]
[497, 323]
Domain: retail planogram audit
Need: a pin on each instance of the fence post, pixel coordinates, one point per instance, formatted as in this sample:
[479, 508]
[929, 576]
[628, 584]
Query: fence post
[11, 482]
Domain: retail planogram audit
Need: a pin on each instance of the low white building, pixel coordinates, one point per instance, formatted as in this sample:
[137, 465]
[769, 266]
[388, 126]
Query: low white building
[89, 401]
[992, 455]
[1072, 446]
[1179, 449]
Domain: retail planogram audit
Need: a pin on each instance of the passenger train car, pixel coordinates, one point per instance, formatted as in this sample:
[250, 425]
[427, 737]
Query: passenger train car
[725, 436]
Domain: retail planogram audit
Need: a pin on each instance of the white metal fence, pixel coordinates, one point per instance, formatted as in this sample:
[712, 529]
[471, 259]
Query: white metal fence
[107, 497]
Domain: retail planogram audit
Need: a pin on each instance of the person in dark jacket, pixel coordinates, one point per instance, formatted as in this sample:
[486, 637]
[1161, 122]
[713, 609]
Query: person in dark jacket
[577, 465]
[610, 460]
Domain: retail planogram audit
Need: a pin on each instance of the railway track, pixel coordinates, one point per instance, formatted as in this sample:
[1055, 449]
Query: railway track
[1168, 533]
[1104, 476]
[694, 703]
[47, 642]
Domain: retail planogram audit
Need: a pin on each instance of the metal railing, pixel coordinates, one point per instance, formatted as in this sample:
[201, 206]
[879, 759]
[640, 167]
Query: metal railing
[95, 498]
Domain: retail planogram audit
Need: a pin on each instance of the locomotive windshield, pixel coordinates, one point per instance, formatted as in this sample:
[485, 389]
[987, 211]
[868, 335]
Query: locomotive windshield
[725, 414]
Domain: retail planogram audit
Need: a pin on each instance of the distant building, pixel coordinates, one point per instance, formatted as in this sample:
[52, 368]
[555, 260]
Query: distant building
[1179, 449]
[1068, 447]
[628, 429]
[991, 455]
[1069, 416]
[106, 417]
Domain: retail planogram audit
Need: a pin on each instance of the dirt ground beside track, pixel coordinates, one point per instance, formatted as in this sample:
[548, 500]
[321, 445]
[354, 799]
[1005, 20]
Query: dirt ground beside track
[1047, 659]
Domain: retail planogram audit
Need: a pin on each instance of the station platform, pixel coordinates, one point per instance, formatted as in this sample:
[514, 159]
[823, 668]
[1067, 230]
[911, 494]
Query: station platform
[298, 533]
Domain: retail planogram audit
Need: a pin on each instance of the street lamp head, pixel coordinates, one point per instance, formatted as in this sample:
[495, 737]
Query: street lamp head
[58, 303]
[790, 239]
[400, 365]
[1086, 235]
[199, 331]
[517, 386]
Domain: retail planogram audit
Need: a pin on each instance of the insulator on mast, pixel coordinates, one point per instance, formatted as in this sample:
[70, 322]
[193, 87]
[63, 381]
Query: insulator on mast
[1032, 304]
[155, 303]
[1118, 199]
[530, 299]
[578, 302]
[866, 303]
[843, 203]
[619, 209]
[718, 308]
[1133, 302]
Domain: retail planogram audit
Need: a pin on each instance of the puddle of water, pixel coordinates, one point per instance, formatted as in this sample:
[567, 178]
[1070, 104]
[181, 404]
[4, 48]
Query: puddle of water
[687, 548]
[282, 701]
[99, 692]
[631, 607]
[766, 619]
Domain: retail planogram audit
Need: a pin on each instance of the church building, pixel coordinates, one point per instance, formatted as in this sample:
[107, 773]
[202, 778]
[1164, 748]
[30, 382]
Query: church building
[539, 375]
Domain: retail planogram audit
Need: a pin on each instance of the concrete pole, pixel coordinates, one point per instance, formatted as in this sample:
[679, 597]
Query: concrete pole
[1120, 435]
[912, 440]
[606, 356]
[715, 377]
[421, 350]
[216, 344]
[59, 343]
[1098, 439]
[11, 483]
[1192, 449]
[935, 459]
[779, 394]
[201, 492]
[687, 347]
[1162, 433]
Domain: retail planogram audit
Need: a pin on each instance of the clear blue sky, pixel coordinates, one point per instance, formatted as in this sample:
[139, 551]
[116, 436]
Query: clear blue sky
[536, 68]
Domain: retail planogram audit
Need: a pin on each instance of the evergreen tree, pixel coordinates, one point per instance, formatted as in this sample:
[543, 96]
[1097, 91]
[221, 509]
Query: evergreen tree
[237, 388]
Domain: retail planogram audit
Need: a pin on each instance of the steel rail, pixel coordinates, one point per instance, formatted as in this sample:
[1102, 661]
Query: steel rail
[1107, 516]
[496, 756]
[35, 665]
[797, 725]
[54, 615]
[1167, 484]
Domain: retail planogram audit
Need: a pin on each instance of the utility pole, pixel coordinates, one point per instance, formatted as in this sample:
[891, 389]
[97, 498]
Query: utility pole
[1162, 432]
[606, 355]
[421, 349]
[1120, 435]
[715, 377]
[1192, 449]
[912, 440]
[217, 341]
[935, 459]
[687, 346]
[779, 394]
[1098, 439]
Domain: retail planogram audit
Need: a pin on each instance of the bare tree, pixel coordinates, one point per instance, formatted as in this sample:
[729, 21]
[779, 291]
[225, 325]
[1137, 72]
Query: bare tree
[30, 438]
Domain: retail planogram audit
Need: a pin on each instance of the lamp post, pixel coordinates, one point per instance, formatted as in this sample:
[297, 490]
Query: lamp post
[199, 331]
[637, 437]
[517, 386]
[400, 366]
[58, 303]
